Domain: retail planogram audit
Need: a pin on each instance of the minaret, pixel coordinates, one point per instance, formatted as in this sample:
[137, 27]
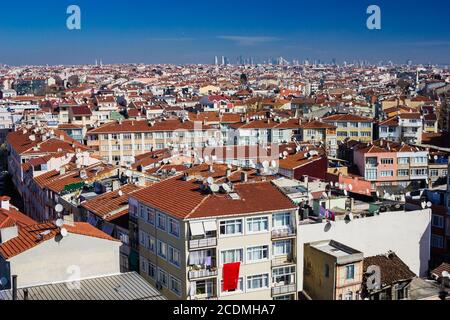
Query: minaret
[101, 63]
[96, 62]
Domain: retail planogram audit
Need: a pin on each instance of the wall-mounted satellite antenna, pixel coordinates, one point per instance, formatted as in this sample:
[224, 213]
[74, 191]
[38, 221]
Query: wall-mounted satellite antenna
[210, 180]
[214, 188]
[64, 232]
[83, 174]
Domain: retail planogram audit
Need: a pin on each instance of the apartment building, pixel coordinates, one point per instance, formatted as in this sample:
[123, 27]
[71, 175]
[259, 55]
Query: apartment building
[386, 163]
[190, 247]
[351, 126]
[333, 271]
[317, 132]
[406, 127]
[119, 142]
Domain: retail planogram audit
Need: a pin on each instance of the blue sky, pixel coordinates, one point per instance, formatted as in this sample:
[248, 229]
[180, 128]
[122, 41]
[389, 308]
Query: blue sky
[34, 32]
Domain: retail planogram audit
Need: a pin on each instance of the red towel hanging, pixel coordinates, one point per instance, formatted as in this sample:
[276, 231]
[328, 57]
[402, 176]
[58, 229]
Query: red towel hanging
[230, 276]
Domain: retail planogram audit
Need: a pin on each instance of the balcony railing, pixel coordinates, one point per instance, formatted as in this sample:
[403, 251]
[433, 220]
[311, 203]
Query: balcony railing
[203, 273]
[202, 243]
[283, 232]
[283, 260]
[284, 289]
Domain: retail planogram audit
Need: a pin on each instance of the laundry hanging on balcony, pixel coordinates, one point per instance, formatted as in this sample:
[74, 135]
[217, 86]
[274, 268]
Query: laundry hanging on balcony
[230, 276]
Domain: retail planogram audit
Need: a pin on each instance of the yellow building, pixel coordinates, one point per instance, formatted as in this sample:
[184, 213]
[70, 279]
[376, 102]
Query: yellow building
[119, 142]
[351, 126]
[333, 271]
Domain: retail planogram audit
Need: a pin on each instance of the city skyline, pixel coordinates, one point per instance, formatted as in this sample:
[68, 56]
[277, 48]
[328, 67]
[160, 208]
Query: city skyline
[197, 32]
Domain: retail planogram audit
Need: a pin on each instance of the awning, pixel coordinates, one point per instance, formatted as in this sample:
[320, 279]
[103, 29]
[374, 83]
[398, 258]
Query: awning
[210, 226]
[197, 228]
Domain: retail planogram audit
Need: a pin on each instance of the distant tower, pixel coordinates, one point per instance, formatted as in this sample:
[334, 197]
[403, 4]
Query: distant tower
[96, 62]
[101, 63]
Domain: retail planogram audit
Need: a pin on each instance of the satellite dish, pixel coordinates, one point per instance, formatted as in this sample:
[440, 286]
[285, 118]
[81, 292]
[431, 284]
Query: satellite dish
[336, 184]
[350, 187]
[210, 180]
[83, 174]
[265, 164]
[64, 232]
[214, 187]
[429, 204]
[324, 194]
[435, 157]
[32, 137]
[59, 223]
[273, 163]
[226, 187]
[285, 153]
[345, 192]
[59, 208]
[120, 193]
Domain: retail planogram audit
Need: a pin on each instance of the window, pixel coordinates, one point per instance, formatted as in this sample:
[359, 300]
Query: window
[150, 216]
[144, 264]
[174, 227]
[354, 133]
[434, 173]
[283, 275]
[230, 256]
[387, 161]
[348, 296]
[151, 270]
[388, 173]
[419, 172]
[327, 270]
[403, 172]
[259, 224]
[366, 125]
[142, 238]
[258, 253]
[366, 134]
[175, 285]
[281, 247]
[403, 160]
[151, 243]
[161, 222]
[174, 256]
[371, 174]
[260, 281]
[437, 241]
[281, 220]
[437, 221]
[163, 277]
[354, 124]
[231, 227]
[240, 286]
[162, 249]
[350, 272]
[126, 136]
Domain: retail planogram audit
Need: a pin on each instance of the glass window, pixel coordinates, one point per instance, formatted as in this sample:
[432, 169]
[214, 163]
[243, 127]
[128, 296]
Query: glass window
[257, 253]
[260, 281]
[163, 277]
[283, 275]
[280, 220]
[162, 249]
[230, 227]
[161, 221]
[282, 247]
[350, 272]
[230, 256]
[259, 224]
[438, 221]
[175, 285]
[151, 270]
[174, 256]
[174, 227]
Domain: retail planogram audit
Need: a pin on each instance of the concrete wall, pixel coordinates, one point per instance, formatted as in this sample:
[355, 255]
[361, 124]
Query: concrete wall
[405, 233]
[53, 261]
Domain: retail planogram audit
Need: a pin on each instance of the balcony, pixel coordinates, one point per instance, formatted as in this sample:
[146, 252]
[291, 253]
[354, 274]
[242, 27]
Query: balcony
[202, 273]
[202, 243]
[285, 232]
[283, 260]
[284, 289]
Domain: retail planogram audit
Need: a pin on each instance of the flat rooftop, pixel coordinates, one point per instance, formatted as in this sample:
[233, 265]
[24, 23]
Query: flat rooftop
[341, 252]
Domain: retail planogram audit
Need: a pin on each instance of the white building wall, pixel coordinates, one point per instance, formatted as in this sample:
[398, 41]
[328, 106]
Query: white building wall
[405, 233]
[53, 261]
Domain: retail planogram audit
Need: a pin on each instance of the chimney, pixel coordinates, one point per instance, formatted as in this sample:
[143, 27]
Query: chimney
[14, 287]
[211, 168]
[244, 177]
[228, 172]
[305, 179]
[62, 170]
[61, 137]
[5, 202]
